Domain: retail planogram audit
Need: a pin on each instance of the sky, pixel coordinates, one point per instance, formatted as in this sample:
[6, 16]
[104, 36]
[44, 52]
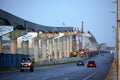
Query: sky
[96, 14]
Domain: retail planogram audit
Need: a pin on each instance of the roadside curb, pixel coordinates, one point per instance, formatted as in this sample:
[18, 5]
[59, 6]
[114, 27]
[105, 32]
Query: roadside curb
[112, 74]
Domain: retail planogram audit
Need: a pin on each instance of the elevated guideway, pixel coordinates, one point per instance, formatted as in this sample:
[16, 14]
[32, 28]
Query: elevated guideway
[48, 42]
[47, 35]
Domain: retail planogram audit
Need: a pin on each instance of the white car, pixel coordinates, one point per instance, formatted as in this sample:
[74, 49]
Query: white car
[26, 65]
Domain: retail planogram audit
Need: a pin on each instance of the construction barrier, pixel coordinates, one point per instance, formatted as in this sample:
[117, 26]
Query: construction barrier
[11, 60]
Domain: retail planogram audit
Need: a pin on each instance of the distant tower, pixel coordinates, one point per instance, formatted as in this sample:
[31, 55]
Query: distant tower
[82, 31]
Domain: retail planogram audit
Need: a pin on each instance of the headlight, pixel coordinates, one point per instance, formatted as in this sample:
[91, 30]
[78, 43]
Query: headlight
[82, 52]
[29, 64]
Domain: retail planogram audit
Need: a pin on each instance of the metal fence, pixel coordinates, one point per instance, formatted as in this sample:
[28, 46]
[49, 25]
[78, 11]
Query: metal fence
[11, 60]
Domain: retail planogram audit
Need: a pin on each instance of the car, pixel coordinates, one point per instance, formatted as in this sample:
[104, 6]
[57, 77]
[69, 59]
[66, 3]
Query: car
[80, 63]
[91, 64]
[27, 64]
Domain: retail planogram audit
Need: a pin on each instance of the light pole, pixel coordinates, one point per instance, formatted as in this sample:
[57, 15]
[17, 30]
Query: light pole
[118, 40]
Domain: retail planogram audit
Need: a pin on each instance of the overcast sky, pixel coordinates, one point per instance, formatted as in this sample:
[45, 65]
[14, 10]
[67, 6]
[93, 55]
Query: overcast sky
[96, 14]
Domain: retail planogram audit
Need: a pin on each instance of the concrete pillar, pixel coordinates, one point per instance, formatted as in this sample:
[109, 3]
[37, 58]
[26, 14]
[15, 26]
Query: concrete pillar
[25, 45]
[55, 48]
[65, 46]
[68, 46]
[70, 43]
[13, 46]
[50, 48]
[36, 49]
[44, 49]
[0, 44]
[74, 45]
[60, 47]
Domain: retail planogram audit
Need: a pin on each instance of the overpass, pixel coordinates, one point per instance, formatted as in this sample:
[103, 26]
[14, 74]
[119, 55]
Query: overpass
[60, 36]
[49, 42]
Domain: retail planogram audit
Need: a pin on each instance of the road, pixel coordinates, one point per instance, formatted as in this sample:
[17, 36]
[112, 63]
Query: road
[65, 72]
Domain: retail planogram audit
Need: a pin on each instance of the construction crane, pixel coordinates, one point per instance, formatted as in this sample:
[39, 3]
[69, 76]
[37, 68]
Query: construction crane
[79, 40]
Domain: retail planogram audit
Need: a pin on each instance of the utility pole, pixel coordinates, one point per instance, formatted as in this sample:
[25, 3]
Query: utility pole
[118, 39]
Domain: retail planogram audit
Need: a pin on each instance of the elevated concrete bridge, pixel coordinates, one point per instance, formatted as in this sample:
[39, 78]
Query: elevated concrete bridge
[59, 46]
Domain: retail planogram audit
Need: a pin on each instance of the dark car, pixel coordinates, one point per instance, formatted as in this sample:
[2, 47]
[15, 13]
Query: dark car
[27, 64]
[91, 64]
[80, 63]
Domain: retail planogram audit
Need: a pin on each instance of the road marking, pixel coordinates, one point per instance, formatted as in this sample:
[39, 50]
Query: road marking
[89, 76]
[28, 78]
[66, 78]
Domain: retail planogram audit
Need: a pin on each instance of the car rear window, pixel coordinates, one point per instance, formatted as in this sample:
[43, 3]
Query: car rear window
[91, 62]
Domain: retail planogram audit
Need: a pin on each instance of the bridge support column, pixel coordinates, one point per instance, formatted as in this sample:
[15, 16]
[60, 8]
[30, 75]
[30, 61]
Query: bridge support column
[44, 49]
[60, 47]
[50, 48]
[74, 45]
[13, 46]
[68, 46]
[0, 44]
[65, 46]
[36, 49]
[56, 48]
[25, 47]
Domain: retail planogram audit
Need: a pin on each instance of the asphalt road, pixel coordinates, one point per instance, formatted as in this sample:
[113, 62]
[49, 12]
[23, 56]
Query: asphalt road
[65, 71]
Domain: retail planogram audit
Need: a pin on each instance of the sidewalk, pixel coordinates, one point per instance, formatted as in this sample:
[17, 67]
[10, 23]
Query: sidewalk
[112, 75]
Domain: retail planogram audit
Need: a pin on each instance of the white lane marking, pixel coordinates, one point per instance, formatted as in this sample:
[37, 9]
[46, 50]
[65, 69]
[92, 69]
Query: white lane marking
[66, 78]
[89, 76]
[28, 78]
